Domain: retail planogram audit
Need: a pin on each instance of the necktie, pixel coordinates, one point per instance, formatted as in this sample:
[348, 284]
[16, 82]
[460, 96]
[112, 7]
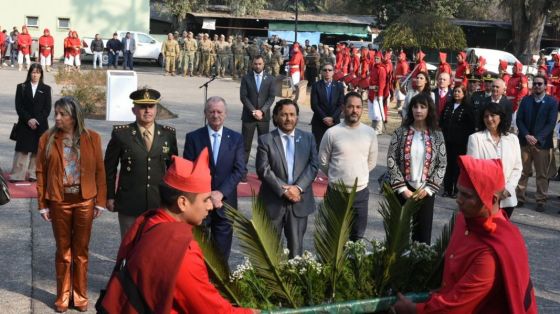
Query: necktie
[329, 92]
[215, 146]
[148, 140]
[258, 82]
[290, 157]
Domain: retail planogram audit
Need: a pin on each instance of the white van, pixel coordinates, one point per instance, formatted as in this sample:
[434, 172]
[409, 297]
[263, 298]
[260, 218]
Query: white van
[493, 58]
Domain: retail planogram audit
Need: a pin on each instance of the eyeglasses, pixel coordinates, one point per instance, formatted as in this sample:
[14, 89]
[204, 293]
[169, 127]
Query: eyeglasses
[538, 83]
[327, 70]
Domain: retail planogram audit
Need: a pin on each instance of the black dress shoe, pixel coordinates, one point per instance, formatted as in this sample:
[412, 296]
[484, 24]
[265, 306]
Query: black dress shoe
[539, 208]
[244, 179]
[520, 204]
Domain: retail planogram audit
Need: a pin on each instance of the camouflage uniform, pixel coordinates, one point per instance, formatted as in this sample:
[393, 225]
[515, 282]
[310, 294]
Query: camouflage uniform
[198, 64]
[238, 49]
[277, 61]
[223, 49]
[190, 50]
[207, 47]
[246, 56]
[170, 51]
[181, 55]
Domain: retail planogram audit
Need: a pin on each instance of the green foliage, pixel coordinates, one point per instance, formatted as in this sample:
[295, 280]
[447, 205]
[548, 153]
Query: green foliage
[88, 87]
[244, 7]
[180, 8]
[424, 31]
[217, 267]
[333, 225]
[261, 244]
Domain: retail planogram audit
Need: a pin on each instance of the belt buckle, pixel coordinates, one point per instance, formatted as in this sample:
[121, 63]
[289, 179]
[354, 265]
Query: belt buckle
[72, 189]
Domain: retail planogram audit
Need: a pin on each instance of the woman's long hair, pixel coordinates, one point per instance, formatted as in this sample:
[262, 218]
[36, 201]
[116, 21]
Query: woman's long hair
[31, 68]
[431, 118]
[505, 119]
[465, 100]
[428, 87]
[71, 106]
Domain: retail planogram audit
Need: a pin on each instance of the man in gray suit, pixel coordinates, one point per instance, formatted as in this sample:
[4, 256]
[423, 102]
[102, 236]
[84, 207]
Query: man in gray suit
[287, 165]
[128, 49]
[257, 93]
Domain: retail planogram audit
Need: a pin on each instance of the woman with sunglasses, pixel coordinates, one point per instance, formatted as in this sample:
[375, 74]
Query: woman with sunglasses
[71, 192]
[457, 123]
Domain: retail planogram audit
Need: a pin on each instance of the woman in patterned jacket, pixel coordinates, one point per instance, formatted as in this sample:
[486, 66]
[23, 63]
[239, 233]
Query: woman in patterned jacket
[416, 161]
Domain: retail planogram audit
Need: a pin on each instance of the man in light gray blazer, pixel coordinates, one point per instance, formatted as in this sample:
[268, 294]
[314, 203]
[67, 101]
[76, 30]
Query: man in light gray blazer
[287, 165]
[128, 49]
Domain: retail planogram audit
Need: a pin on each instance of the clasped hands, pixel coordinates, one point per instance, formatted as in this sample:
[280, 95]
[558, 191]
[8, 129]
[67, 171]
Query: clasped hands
[418, 195]
[328, 121]
[258, 114]
[292, 193]
[33, 123]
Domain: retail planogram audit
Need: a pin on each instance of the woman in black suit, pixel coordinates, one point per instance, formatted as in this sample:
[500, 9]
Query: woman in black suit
[457, 123]
[33, 106]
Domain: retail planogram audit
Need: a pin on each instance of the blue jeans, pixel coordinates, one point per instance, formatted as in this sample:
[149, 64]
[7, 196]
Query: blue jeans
[127, 63]
[113, 59]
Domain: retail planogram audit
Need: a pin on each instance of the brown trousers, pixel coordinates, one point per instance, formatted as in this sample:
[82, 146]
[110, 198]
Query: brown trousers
[71, 222]
[541, 159]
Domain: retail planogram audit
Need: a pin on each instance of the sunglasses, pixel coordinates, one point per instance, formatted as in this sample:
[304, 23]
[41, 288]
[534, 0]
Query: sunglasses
[538, 83]
[327, 70]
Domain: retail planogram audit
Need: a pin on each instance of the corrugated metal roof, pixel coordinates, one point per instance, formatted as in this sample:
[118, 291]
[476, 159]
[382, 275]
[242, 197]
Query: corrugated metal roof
[273, 15]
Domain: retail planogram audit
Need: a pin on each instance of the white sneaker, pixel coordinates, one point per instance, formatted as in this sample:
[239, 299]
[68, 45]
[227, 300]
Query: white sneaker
[11, 65]
[4, 64]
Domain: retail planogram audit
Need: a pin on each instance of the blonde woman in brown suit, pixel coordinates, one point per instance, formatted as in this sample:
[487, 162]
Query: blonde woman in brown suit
[72, 192]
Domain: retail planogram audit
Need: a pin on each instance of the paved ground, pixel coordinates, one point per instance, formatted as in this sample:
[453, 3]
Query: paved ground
[27, 247]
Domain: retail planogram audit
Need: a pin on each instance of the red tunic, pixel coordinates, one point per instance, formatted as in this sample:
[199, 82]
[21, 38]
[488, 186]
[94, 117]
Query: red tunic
[192, 292]
[555, 80]
[389, 82]
[483, 272]
[2, 40]
[345, 61]
[46, 44]
[444, 67]
[24, 43]
[506, 76]
[461, 73]
[517, 89]
[296, 63]
[377, 80]
[74, 45]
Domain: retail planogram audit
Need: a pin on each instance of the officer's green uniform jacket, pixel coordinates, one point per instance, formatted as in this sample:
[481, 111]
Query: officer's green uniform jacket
[140, 171]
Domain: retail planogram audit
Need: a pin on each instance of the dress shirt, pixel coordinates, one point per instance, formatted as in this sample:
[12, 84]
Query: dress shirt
[496, 101]
[455, 106]
[34, 88]
[258, 80]
[289, 159]
[150, 130]
[219, 139]
[127, 44]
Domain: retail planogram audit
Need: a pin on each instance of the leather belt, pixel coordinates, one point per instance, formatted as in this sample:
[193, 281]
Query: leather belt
[294, 66]
[72, 189]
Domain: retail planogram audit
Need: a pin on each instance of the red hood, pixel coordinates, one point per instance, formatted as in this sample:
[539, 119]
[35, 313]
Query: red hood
[463, 55]
[481, 61]
[420, 56]
[556, 58]
[442, 57]
[518, 66]
[402, 56]
[503, 65]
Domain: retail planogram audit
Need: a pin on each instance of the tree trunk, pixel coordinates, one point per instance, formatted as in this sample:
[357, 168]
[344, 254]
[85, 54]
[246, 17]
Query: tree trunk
[528, 18]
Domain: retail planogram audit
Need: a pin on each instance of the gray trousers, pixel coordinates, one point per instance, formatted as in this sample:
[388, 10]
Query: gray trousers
[294, 229]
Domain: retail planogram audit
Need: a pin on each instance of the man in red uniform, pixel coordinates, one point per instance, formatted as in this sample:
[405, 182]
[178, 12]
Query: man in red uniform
[420, 64]
[443, 66]
[481, 70]
[46, 48]
[463, 70]
[486, 266]
[159, 261]
[555, 77]
[354, 67]
[2, 46]
[504, 75]
[362, 79]
[388, 91]
[377, 82]
[401, 73]
[296, 64]
[517, 86]
[24, 48]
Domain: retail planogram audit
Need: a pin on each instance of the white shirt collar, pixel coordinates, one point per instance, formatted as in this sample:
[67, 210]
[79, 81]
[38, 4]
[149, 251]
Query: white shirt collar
[211, 131]
[291, 134]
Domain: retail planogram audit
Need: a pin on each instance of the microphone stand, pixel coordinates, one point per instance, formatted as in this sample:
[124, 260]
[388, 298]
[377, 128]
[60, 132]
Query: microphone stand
[205, 85]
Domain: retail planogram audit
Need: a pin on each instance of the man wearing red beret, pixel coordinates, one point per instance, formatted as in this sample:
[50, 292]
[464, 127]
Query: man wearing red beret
[160, 267]
[486, 266]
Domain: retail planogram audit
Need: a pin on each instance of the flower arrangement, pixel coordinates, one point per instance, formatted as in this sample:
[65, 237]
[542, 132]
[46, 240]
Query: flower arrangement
[340, 270]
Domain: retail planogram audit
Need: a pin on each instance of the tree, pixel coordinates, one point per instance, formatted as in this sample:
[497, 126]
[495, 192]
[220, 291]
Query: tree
[244, 7]
[180, 8]
[424, 30]
[528, 18]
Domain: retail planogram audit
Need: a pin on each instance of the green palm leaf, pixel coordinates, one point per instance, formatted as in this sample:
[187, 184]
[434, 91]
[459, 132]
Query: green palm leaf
[260, 242]
[217, 267]
[332, 229]
[440, 246]
[397, 222]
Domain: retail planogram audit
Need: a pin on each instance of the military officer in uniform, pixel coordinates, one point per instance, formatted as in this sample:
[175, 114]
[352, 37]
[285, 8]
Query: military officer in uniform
[207, 47]
[143, 149]
[170, 51]
[479, 98]
[198, 65]
[238, 49]
[223, 48]
[277, 60]
[246, 56]
[190, 49]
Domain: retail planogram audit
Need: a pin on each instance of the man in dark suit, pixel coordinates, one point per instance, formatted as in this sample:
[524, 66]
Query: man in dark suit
[287, 165]
[257, 94]
[536, 118]
[497, 96]
[327, 98]
[479, 99]
[144, 149]
[227, 166]
[128, 49]
[443, 93]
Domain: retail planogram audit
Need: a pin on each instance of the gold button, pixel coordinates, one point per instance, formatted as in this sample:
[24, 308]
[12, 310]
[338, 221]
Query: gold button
[149, 159]
[148, 177]
[451, 256]
[149, 168]
[128, 168]
[466, 232]
[148, 185]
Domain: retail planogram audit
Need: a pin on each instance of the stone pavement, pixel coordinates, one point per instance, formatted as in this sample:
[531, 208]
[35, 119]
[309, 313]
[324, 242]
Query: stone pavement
[28, 285]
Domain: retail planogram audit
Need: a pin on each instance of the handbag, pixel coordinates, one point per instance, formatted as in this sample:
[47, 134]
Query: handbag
[13, 133]
[4, 191]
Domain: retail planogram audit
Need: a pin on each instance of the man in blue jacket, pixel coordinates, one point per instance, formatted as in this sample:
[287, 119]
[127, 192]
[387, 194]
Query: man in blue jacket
[536, 119]
[227, 166]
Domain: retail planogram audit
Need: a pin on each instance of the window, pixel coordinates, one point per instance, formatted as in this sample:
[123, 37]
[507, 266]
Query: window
[144, 39]
[63, 22]
[32, 21]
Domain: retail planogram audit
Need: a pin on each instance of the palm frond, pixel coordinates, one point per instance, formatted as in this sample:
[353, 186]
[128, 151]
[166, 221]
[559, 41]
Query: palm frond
[440, 246]
[332, 229]
[217, 267]
[260, 242]
[397, 222]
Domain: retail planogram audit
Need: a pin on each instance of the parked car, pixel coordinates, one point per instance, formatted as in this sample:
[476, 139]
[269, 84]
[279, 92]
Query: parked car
[493, 58]
[147, 47]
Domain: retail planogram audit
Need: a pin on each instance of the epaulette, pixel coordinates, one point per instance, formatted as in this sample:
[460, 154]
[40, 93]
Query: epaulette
[169, 128]
[120, 127]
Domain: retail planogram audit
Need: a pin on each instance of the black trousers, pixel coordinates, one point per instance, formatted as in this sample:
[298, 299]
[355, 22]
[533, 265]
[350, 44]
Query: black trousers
[318, 128]
[454, 150]
[310, 75]
[220, 230]
[360, 214]
[422, 220]
[248, 130]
